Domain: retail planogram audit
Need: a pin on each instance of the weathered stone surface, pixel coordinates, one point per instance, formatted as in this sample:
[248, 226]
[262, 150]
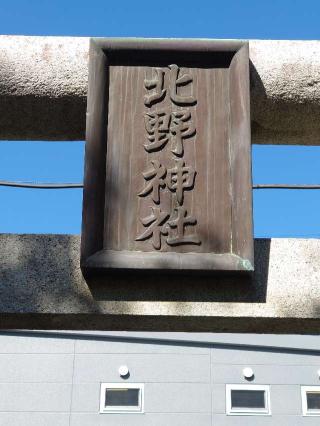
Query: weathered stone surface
[285, 91]
[43, 86]
[41, 286]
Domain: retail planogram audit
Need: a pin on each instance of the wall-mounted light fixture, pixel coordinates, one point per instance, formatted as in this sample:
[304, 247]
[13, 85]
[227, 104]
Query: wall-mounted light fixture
[123, 370]
[248, 373]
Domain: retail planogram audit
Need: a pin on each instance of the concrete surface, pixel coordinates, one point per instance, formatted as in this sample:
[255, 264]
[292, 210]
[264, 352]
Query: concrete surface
[43, 86]
[41, 286]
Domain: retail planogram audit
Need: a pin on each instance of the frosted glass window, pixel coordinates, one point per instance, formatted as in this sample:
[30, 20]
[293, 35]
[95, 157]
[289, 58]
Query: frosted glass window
[310, 396]
[313, 400]
[247, 400]
[121, 397]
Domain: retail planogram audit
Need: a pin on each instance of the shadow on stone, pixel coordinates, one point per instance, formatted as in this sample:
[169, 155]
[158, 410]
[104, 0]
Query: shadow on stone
[156, 286]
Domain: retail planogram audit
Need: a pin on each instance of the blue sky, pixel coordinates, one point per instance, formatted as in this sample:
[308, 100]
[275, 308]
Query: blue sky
[279, 213]
[293, 19]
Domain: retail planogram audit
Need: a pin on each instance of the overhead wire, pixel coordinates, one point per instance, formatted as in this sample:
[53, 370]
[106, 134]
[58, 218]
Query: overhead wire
[75, 185]
[36, 185]
[285, 186]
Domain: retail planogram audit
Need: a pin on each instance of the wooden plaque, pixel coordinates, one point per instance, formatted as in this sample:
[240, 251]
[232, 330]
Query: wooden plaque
[168, 156]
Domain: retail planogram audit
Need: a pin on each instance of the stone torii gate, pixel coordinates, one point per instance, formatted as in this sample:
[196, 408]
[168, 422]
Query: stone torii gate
[43, 88]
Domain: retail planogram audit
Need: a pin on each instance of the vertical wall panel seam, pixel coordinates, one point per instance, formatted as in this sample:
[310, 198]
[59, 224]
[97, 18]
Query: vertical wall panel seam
[72, 380]
[211, 386]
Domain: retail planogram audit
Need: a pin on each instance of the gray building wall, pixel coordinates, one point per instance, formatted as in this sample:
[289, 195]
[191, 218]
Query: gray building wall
[54, 378]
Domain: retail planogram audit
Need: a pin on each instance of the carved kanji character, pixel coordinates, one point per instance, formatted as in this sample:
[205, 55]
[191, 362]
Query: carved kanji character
[180, 178]
[157, 126]
[156, 83]
[179, 223]
[176, 82]
[156, 227]
[181, 128]
[156, 180]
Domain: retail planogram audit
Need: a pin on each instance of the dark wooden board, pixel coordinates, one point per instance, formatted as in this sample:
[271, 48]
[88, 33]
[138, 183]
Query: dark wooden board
[168, 156]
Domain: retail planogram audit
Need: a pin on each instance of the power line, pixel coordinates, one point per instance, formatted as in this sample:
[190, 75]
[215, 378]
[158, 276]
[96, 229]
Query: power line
[41, 185]
[36, 185]
[285, 186]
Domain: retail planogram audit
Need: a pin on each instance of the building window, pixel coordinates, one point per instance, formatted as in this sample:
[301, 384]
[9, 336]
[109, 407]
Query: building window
[310, 396]
[247, 400]
[121, 398]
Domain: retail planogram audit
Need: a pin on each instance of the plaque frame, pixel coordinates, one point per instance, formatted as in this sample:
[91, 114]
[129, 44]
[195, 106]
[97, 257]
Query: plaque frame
[94, 258]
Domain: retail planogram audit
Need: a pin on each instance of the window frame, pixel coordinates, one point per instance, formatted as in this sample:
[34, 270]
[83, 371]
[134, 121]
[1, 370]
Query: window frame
[115, 409]
[305, 411]
[248, 411]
